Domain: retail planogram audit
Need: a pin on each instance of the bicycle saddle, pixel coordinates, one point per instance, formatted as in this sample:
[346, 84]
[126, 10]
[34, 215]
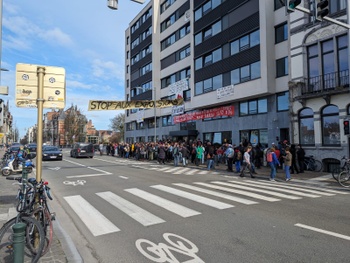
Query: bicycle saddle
[32, 181]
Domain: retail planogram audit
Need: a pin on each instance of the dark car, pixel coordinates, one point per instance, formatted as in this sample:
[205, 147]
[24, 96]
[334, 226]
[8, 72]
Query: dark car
[14, 148]
[82, 149]
[52, 153]
[31, 147]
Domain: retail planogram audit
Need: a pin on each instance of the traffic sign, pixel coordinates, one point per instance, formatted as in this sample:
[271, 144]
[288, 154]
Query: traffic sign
[27, 86]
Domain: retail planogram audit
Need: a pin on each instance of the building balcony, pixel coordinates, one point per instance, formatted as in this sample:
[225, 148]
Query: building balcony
[323, 86]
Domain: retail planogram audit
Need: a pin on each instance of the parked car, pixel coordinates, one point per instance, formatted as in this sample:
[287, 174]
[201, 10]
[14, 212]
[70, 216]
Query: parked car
[31, 147]
[52, 153]
[15, 148]
[82, 149]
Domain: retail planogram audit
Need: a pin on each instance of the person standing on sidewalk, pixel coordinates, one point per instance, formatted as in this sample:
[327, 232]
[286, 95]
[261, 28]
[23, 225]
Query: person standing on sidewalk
[287, 162]
[238, 159]
[210, 156]
[229, 153]
[246, 163]
[273, 162]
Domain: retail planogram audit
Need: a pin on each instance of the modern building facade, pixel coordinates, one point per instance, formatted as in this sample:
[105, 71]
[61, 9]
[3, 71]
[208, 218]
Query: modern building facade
[233, 62]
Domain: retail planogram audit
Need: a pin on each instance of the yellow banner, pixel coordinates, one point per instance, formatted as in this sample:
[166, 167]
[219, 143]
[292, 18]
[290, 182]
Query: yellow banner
[135, 104]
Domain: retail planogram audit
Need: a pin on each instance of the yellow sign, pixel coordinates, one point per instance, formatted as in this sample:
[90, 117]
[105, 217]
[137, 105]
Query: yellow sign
[95, 105]
[27, 86]
[2, 135]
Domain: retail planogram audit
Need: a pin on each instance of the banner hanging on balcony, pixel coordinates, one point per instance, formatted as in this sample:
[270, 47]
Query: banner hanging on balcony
[135, 104]
[205, 114]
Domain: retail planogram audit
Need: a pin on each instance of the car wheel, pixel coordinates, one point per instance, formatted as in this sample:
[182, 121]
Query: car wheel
[91, 157]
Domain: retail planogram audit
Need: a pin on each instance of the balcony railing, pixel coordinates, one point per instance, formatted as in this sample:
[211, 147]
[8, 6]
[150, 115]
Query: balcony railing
[326, 83]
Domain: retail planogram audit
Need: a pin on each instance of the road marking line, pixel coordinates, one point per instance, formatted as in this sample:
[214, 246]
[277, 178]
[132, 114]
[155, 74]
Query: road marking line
[192, 171]
[123, 177]
[323, 231]
[140, 215]
[230, 190]
[203, 172]
[181, 171]
[259, 190]
[193, 197]
[96, 222]
[171, 170]
[225, 196]
[278, 189]
[164, 203]
[296, 187]
[86, 175]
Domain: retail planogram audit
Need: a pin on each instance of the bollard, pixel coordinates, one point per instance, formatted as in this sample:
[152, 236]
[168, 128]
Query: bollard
[18, 242]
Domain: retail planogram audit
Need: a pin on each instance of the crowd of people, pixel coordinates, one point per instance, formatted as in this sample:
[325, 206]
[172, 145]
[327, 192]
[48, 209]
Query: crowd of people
[241, 158]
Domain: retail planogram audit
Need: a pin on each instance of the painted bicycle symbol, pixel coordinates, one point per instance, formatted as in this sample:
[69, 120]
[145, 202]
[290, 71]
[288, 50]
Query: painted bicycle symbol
[163, 252]
[78, 182]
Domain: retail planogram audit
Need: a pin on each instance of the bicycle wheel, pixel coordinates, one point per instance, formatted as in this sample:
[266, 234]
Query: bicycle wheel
[336, 172]
[344, 179]
[318, 166]
[33, 228]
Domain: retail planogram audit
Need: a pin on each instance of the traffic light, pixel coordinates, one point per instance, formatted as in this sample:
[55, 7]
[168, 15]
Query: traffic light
[321, 9]
[292, 4]
[112, 4]
[346, 127]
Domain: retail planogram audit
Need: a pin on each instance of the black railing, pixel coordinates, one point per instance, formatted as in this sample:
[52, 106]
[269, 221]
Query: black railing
[326, 82]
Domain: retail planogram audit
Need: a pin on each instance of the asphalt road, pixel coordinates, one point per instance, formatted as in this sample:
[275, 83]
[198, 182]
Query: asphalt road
[118, 210]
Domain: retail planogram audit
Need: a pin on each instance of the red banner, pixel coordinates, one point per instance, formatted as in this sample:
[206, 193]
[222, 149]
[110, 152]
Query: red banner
[205, 114]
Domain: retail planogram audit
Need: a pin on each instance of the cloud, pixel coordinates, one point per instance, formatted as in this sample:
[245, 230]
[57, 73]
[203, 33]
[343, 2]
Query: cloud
[56, 36]
[107, 69]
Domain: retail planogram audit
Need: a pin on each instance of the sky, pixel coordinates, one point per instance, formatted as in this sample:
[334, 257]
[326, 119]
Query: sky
[85, 37]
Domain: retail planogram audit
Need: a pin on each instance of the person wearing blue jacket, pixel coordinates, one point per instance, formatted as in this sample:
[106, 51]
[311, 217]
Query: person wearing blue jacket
[273, 164]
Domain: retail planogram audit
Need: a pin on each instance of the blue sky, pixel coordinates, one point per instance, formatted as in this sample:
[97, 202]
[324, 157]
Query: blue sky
[84, 37]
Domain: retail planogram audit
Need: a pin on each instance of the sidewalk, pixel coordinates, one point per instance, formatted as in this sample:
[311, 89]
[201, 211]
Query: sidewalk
[8, 202]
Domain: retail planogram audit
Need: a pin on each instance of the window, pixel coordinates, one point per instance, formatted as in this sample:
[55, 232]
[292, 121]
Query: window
[328, 67]
[306, 127]
[198, 64]
[343, 60]
[198, 39]
[281, 33]
[217, 55]
[167, 121]
[330, 126]
[208, 59]
[208, 85]
[245, 42]
[206, 8]
[253, 107]
[282, 67]
[245, 73]
[283, 101]
[278, 4]
[166, 5]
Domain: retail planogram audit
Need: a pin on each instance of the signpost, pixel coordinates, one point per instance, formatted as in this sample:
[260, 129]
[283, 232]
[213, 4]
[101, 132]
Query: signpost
[40, 87]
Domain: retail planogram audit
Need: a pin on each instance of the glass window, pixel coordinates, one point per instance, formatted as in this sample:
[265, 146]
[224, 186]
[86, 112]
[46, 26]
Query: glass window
[253, 107]
[216, 28]
[255, 38]
[207, 7]
[244, 42]
[207, 33]
[235, 76]
[198, 38]
[198, 14]
[208, 85]
[234, 47]
[281, 33]
[282, 67]
[245, 73]
[283, 101]
[262, 105]
[208, 59]
[199, 88]
[255, 70]
[215, 3]
[330, 126]
[217, 82]
[198, 63]
[306, 127]
[243, 108]
[217, 55]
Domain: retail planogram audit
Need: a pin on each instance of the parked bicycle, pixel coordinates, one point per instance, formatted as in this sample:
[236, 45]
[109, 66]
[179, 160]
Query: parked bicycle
[344, 164]
[344, 176]
[311, 164]
[34, 212]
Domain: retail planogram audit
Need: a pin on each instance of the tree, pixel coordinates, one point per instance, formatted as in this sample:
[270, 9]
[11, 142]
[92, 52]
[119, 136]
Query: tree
[74, 124]
[117, 124]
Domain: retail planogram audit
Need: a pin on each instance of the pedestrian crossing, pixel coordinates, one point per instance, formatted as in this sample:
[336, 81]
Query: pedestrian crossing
[219, 195]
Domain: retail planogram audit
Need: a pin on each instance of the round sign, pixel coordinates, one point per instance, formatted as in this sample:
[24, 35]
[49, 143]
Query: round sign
[57, 92]
[25, 76]
[52, 80]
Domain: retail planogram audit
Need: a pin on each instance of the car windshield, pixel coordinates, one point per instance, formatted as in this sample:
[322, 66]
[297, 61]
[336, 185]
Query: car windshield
[50, 148]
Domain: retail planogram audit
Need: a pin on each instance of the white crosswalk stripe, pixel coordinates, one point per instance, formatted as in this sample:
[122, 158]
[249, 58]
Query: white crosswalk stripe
[162, 202]
[259, 190]
[140, 215]
[97, 223]
[253, 195]
[225, 196]
[279, 189]
[193, 197]
[234, 191]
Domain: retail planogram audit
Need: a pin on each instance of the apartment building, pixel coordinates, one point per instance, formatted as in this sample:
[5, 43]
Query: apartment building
[319, 82]
[228, 60]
